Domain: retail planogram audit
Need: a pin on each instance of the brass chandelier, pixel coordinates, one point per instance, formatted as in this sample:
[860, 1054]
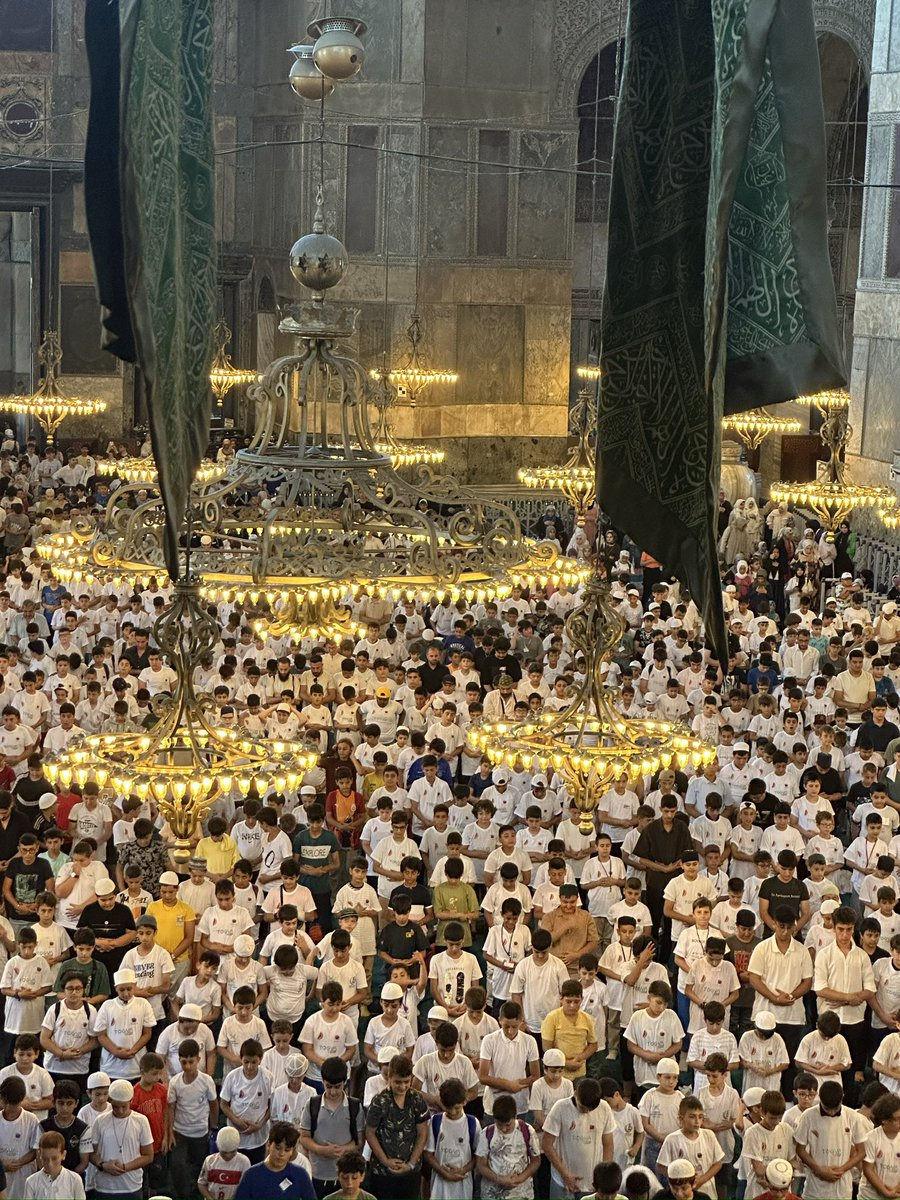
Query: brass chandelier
[576, 477]
[383, 397]
[336, 520]
[754, 426]
[49, 405]
[223, 374]
[833, 496]
[187, 758]
[590, 743]
[413, 376]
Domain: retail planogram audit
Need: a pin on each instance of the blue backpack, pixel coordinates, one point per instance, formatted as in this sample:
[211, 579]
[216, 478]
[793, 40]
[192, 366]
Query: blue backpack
[474, 1129]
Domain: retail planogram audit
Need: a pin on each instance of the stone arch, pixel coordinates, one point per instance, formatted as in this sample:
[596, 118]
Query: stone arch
[578, 36]
[578, 39]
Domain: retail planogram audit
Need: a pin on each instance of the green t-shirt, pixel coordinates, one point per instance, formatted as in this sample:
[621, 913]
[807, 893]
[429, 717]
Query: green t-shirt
[360, 1195]
[455, 897]
[315, 851]
[94, 974]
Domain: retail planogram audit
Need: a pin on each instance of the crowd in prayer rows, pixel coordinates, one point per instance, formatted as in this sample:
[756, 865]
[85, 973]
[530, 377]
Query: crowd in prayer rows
[416, 975]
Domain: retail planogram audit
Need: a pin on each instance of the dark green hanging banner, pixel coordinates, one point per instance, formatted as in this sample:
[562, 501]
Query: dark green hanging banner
[719, 295]
[150, 203]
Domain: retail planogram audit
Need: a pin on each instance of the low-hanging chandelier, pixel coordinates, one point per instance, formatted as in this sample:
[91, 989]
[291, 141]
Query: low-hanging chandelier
[833, 496]
[576, 477]
[383, 397]
[188, 758]
[49, 404]
[754, 426]
[589, 372]
[412, 376]
[223, 374]
[590, 742]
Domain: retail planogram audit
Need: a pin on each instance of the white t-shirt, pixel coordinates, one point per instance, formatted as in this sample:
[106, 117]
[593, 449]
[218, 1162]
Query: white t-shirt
[69, 1027]
[38, 1084]
[654, 1034]
[702, 1151]
[191, 1102]
[149, 970]
[223, 927]
[579, 1138]
[16, 1139]
[120, 1138]
[883, 1153]
[507, 947]
[829, 1141]
[248, 1098]
[171, 1038]
[123, 1024]
[90, 875]
[454, 975]
[509, 1059]
[329, 1039]
[539, 985]
[67, 1185]
[221, 1176]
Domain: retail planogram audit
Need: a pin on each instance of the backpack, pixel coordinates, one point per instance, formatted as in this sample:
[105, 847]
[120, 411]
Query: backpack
[84, 1004]
[437, 1121]
[524, 1129]
[315, 1107]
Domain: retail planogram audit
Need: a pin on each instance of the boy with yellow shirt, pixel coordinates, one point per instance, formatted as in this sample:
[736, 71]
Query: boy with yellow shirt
[570, 1030]
[219, 849]
[175, 924]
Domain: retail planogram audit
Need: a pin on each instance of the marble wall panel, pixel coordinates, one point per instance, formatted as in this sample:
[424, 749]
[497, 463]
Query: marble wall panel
[881, 430]
[491, 349]
[544, 200]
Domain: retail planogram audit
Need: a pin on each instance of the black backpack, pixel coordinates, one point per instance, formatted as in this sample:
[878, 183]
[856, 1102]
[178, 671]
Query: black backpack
[315, 1106]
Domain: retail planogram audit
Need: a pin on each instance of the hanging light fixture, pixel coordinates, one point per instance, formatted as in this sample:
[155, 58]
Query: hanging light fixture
[576, 477]
[412, 376]
[755, 426]
[49, 405]
[590, 372]
[223, 374]
[402, 454]
[136, 469]
[833, 496]
[187, 759]
[589, 742]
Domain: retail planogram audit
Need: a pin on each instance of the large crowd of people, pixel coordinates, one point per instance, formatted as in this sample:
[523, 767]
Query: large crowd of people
[417, 975]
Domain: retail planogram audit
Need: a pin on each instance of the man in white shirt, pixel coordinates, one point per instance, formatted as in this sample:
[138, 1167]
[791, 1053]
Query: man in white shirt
[844, 982]
[831, 1141]
[577, 1134]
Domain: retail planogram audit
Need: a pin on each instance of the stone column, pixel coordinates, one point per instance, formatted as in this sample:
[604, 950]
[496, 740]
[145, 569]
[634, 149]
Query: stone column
[875, 412]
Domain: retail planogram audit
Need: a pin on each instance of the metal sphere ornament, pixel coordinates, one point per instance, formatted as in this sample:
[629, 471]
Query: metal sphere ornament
[338, 51]
[318, 260]
[305, 77]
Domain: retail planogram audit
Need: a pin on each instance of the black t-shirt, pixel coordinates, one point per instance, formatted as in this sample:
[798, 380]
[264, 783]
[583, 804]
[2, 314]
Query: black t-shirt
[660, 845]
[72, 1135]
[10, 834]
[27, 792]
[402, 941]
[108, 923]
[28, 881]
[419, 894]
[765, 809]
[878, 736]
[779, 893]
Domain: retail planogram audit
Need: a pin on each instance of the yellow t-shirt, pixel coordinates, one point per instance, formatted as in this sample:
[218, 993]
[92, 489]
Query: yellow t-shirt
[170, 923]
[569, 1036]
[220, 856]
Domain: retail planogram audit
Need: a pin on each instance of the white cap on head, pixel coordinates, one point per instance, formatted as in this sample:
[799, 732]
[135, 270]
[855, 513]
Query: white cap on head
[387, 1054]
[243, 945]
[97, 1079]
[438, 1013]
[392, 991]
[829, 906]
[667, 1066]
[123, 975]
[121, 1091]
[554, 1058]
[765, 1021]
[104, 887]
[753, 1095]
[501, 775]
[779, 1173]
[190, 1012]
[168, 879]
[297, 1065]
[46, 801]
[539, 780]
[681, 1168]
[307, 790]
[744, 746]
[228, 1139]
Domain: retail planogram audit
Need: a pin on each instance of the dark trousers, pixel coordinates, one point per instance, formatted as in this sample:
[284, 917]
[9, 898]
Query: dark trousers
[792, 1036]
[324, 1187]
[394, 1187]
[323, 910]
[156, 1176]
[857, 1037]
[185, 1161]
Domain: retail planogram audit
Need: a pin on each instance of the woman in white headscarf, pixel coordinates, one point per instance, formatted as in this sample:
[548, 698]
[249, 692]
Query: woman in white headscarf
[737, 541]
